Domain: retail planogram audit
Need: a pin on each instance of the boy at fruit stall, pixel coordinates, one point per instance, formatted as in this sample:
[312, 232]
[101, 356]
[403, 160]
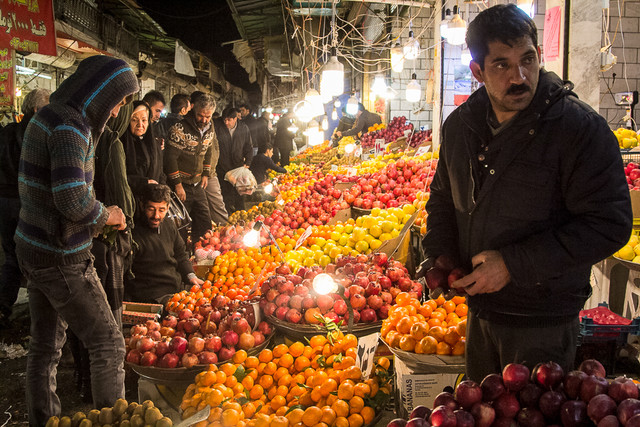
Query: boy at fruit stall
[262, 162]
[528, 193]
[160, 261]
[59, 216]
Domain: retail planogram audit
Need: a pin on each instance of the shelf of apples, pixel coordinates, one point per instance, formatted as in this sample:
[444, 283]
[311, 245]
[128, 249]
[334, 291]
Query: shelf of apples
[371, 284]
[395, 185]
[544, 396]
[419, 137]
[437, 326]
[394, 130]
[304, 384]
[211, 333]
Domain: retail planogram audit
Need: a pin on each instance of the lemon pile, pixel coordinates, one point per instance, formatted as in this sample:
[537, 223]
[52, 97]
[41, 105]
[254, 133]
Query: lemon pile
[626, 138]
[630, 251]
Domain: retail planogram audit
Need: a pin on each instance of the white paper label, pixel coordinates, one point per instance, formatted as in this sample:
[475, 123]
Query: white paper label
[367, 346]
[303, 237]
[422, 150]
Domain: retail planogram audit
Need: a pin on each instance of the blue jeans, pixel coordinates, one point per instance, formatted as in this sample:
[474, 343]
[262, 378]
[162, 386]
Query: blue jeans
[70, 295]
[10, 274]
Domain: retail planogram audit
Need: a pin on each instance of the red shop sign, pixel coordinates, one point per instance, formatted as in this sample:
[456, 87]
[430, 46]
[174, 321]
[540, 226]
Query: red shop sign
[6, 77]
[28, 25]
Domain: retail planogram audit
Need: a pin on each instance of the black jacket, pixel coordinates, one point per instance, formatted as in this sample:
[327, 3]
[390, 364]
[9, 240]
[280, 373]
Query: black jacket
[284, 137]
[144, 160]
[363, 123]
[10, 145]
[261, 164]
[554, 202]
[234, 152]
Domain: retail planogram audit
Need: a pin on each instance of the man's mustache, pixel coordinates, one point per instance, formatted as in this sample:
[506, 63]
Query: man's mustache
[517, 89]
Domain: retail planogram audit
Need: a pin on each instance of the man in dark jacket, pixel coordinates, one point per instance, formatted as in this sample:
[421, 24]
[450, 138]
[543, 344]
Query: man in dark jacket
[190, 154]
[160, 262]
[236, 151]
[179, 106]
[262, 162]
[364, 120]
[529, 192]
[10, 145]
[283, 140]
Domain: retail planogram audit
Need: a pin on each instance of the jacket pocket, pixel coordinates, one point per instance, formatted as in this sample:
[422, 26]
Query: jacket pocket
[526, 191]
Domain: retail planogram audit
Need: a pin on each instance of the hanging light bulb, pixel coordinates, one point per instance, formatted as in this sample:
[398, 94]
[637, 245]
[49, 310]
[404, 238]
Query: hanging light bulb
[324, 124]
[337, 103]
[412, 92]
[397, 58]
[332, 83]
[313, 97]
[444, 25]
[457, 30]
[303, 111]
[528, 6]
[352, 105]
[379, 86]
[465, 57]
[334, 114]
[18, 92]
[314, 134]
[411, 50]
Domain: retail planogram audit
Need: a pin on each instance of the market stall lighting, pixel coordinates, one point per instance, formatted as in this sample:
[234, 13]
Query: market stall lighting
[397, 58]
[412, 92]
[269, 110]
[456, 31]
[337, 103]
[465, 57]
[324, 124]
[352, 106]
[349, 148]
[313, 98]
[444, 25]
[314, 134]
[527, 6]
[332, 83]
[268, 188]
[411, 50]
[252, 238]
[303, 110]
[324, 284]
[18, 92]
[334, 114]
[379, 86]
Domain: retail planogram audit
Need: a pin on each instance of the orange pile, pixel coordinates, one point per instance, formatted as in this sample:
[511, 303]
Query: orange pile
[435, 327]
[317, 384]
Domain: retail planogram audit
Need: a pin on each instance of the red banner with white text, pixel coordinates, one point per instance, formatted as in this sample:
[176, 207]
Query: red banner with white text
[28, 25]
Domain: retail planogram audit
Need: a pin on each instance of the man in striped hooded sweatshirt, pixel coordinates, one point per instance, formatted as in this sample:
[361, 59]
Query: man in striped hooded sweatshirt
[59, 216]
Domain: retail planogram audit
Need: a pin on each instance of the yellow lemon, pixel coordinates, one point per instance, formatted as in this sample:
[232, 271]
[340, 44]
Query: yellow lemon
[409, 209]
[633, 240]
[375, 244]
[375, 231]
[335, 236]
[362, 246]
[395, 233]
[627, 253]
[348, 228]
[386, 226]
[358, 233]
[636, 249]
[375, 212]
[385, 236]
[368, 221]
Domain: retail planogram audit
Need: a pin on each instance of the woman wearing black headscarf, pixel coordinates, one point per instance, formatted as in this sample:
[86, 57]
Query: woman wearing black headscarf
[143, 154]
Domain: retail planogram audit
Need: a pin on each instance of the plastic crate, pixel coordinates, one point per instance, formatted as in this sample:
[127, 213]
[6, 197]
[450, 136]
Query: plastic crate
[630, 156]
[593, 332]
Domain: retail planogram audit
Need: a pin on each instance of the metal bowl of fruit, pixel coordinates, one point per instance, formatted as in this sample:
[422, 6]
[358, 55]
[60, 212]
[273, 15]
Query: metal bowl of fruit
[299, 331]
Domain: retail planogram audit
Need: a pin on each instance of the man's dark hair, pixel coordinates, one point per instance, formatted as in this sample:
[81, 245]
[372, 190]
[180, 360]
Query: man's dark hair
[505, 23]
[195, 95]
[204, 102]
[156, 193]
[229, 113]
[178, 102]
[154, 97]
[264, 148]
[360, 106]
[244, 106]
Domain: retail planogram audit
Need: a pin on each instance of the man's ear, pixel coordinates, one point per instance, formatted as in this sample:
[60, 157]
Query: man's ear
[476, 70]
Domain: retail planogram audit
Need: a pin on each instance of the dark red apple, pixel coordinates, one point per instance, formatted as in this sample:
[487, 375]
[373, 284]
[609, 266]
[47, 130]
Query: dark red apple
[572, 382]
[483, 413]
[446, 399]
[600, 406]
[443, 416]
[464, 418]
[593, 367]
[492, 387]
[549, 375]
[573, 413]
[592, 386]
[468, 393]
[627, 409]
[530, 395]
[530, 417]
[622, 388]
[506, 406]
[515, 376]
[550, 403]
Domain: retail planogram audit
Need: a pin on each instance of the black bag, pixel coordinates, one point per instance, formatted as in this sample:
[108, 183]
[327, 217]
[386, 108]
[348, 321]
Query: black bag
[178, 213]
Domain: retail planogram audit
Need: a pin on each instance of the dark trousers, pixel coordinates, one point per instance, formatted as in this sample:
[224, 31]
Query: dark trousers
[282, 155]
[232, 199]
[490, 346]
[198, 208]
[10, 275]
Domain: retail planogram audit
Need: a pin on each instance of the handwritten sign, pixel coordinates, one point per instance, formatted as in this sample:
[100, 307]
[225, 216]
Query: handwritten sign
[422, 150]
[303, 237]
[551, 36]
[358, 151]
[380, 145]
[28, 25]
[367, 347]
[6, 77]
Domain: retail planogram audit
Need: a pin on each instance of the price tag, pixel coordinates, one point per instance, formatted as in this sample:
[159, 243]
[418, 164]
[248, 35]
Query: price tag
[358, 151]
[367, 346]
[304, 237]
[334, 167]
[407, 132]
[352, 171]
[422, 150]
[380, 144]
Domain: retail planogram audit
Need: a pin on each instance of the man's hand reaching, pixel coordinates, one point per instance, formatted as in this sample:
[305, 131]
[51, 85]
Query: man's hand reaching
[489, 275]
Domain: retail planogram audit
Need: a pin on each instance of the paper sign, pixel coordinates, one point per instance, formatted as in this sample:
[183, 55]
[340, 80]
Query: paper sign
[358, 152]
[551, 38]
[380, 144]
[28, 26]
[352, 171]
[422, 150]
[334, 167]
[407, 132]
[367, 347]
[304, 237]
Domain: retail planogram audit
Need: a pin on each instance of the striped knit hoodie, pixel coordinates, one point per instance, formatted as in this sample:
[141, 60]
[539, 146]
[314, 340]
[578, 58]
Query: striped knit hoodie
[59, 213]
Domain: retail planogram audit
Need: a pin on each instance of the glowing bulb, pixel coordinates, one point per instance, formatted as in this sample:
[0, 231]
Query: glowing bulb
[527, 6]
[303, 110]
[411, 50]
[352, 106]
[457, 30]
[334, 114]
[268, 188]
[325, 122]
[337, 103]
[349, 148]
[332, 83]
[397, 58]
[252, 238]
[315, 101]
[379, 87]
[324, 284]
[465, 57]
[444, 25]
[18, 92]
[269, 110]
[412, 92]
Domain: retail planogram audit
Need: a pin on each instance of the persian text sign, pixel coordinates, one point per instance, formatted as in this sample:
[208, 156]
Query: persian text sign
[6, 77]
[28, 25]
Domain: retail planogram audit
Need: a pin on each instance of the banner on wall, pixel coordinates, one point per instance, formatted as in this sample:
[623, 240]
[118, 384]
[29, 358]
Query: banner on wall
[7, 90]
[28, 25]
[461, 84]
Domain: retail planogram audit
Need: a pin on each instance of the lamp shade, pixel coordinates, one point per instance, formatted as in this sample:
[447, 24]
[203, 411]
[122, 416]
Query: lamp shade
[379, 86]
[352, 105]
[413, 90]
[457, 30]
[397, 58]
[411, 50]
[332, 83]
[313, 97]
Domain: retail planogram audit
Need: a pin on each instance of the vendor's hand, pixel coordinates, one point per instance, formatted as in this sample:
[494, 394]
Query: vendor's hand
[116, 217]
[180, 192]
[338, 134]
[152, 181]
[204, 182]
[246, 166]
[425, 266]
[490, 274]
[196, 281]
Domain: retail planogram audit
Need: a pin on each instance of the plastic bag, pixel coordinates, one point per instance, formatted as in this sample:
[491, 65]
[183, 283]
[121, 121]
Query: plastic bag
[242, 179]
[178, 213]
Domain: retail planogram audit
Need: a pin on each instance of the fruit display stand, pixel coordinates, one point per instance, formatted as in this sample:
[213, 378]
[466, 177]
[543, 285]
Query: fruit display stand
[430, 363]
[297, 332]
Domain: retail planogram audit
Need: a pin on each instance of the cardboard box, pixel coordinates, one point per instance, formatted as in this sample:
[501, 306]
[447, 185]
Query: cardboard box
[635, 203]
[136, 312]
[417, 388]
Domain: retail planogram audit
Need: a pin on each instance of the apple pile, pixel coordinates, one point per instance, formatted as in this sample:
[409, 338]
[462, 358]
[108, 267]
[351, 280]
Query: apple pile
[632, 171]
[210, 335]
[419, 137]
[543, 397]
[395, 185]
[394, 130]
[371, 284]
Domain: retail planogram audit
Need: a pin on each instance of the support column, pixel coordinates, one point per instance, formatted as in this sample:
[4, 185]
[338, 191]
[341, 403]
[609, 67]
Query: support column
[584, 49]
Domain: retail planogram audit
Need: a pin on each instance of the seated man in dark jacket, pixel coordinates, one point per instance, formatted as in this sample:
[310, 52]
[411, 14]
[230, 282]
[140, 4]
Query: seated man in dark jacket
[262, 162]
[160, 263]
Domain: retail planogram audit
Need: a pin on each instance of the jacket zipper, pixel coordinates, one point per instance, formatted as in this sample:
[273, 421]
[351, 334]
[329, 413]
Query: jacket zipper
[473, 200]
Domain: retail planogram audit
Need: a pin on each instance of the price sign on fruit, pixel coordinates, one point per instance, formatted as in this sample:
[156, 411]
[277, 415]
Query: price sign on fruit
[303, 237]
[367, 346]
[422, 150]
[380, 144]
[352, 172]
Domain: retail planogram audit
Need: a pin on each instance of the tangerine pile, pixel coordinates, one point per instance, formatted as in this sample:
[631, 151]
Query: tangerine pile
[317, 384]
[437, 326]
